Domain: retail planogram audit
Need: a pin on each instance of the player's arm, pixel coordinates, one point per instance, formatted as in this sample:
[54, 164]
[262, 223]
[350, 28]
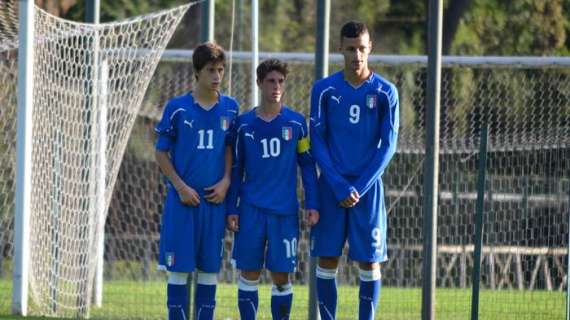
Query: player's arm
[232, 214]
[319, 149]
[187, 195]
[217, 192]
[309, 177]
[166, 132]
[386, 146]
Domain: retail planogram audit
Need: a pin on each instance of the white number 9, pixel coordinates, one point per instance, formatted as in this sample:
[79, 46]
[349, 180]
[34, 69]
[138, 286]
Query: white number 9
[376, 235]
[354, 112]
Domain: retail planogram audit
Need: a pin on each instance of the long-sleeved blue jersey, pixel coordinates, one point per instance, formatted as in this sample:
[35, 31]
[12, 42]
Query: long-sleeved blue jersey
[354, 131]
[196, 138]
[266, 155]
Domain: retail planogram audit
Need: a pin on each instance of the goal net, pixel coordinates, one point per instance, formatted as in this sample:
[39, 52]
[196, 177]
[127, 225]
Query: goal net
[89, 82]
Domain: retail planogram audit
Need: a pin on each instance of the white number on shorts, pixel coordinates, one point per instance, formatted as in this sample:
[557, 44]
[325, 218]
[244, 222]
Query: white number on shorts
[376, 233]
[354, 112]
[290, 247]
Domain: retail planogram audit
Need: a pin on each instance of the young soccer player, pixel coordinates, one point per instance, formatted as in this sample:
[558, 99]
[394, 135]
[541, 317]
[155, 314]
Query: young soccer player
[354, 130]
[194, 153]
[271, 141]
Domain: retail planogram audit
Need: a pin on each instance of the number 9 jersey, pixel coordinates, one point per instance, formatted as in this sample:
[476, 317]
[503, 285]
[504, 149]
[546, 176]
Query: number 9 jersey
[354, 131]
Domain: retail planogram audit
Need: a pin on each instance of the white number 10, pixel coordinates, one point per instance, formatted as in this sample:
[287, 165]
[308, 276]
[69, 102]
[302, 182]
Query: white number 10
[354, 113]
[271, 149]
[291, 247]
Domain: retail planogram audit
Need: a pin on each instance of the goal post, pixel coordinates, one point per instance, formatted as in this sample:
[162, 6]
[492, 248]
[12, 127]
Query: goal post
[101, 182]
[89, 84]
[24, 159]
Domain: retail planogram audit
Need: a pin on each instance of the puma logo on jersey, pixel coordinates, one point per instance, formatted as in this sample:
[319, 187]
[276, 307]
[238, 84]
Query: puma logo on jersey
[250, 135]
[189, 123]
[337, 99]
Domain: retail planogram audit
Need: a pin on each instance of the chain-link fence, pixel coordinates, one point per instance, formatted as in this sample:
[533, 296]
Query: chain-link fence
[526, 104]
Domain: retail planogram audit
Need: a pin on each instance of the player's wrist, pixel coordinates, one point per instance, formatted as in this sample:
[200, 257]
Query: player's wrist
[178, 186]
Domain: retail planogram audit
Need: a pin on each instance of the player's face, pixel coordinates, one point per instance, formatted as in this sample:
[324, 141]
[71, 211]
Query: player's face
[272, 87]
[211, 75]
[355, 52]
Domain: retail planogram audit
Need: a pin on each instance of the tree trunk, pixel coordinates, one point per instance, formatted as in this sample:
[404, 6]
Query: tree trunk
[451, 18]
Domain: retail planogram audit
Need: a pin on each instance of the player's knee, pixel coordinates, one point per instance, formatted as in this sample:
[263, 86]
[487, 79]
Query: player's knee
[250, 275]
[280, 278]
[369, 265]
[328, 262]
[206, 278]
[178, 278]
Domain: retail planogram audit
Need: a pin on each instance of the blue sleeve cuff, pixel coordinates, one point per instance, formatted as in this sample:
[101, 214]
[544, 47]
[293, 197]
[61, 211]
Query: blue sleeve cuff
[343, 193]
[163, 143]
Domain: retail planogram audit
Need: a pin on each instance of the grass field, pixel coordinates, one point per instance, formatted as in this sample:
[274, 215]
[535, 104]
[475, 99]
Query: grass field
[145, 300]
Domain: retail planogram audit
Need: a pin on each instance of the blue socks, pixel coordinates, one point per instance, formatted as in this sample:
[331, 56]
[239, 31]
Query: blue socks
[205, 298]
[248, 298]
[281, 301]
[326, 293]
[177, 302]
[370, 283]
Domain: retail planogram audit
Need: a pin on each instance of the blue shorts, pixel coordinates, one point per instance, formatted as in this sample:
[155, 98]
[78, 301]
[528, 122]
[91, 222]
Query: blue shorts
[260, 234]
[364, 225]
[191, 237]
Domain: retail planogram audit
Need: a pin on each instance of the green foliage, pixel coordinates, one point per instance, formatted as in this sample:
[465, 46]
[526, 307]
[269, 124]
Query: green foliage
[526, 27]
[488, 27]
[122, 9]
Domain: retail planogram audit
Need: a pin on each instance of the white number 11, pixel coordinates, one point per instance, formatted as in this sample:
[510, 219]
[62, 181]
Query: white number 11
[210, 134]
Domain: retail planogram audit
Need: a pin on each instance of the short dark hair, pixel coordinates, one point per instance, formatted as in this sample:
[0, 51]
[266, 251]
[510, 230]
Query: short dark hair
[205, 53]
[353, 29]
[269, 65]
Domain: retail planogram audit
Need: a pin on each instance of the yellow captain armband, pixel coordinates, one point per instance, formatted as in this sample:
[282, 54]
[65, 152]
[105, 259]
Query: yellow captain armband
[303, 145]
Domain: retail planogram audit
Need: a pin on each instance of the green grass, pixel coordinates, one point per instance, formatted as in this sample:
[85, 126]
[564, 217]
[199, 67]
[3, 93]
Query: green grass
[146, 300]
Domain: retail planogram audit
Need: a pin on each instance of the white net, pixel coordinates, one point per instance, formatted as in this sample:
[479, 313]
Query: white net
[89, 82]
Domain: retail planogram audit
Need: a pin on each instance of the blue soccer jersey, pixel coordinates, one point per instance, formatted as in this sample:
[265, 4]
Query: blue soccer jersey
[264, 173]
[354, 131]
[195, 139]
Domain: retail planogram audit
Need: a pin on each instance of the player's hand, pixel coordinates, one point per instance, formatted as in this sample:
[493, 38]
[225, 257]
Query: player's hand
[232, 222]
[217, 192]
[188, 196]
[351, 200]
[312, 217]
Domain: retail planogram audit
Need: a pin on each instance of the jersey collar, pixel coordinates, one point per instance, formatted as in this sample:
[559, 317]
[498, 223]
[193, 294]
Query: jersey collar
[199, 106]
[367, 80]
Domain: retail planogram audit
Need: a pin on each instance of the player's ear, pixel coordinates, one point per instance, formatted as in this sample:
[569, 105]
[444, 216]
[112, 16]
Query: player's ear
[258, 82]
